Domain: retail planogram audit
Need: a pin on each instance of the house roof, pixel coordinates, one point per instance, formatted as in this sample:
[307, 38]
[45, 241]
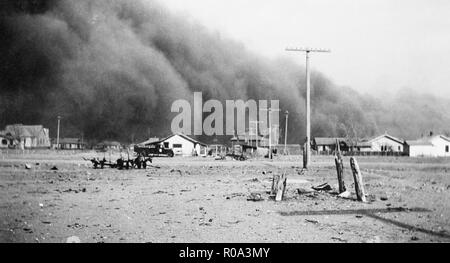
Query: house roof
[426, 140]
[444, 137]
[182, 136]
[327, 141]
[24, 130]
[387, 136]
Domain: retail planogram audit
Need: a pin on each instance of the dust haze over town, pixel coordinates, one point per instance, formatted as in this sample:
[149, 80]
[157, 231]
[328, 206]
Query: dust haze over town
[113, 68]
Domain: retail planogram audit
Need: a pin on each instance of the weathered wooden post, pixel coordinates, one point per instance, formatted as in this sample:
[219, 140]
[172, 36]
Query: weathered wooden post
[275, 180]
[304, 157]
[339, 168]
[278, 186]
[359, 186]
[281, 187]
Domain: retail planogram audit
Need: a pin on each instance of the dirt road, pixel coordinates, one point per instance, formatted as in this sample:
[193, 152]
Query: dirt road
[203, 200]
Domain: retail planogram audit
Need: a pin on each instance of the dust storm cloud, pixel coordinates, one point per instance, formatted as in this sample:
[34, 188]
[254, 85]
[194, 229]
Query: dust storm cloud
[113, 68]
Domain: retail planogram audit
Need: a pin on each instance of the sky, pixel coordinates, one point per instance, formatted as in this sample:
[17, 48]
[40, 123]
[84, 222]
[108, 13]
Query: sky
[377, 46]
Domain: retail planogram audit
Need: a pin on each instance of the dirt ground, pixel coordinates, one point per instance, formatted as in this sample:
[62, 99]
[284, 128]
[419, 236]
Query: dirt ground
[204, 200]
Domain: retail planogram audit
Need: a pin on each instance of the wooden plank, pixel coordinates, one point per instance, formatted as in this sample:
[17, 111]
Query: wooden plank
[359, 186]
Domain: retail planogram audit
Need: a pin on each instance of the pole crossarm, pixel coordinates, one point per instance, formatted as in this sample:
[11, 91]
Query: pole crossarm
[307, 49]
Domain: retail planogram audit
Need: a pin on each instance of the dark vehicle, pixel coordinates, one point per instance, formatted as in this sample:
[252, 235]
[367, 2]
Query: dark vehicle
[153, 150]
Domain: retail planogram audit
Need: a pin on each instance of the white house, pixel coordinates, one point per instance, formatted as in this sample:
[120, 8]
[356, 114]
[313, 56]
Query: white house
[432, 146]
[384, 143]
[184, 145]
[29, 136]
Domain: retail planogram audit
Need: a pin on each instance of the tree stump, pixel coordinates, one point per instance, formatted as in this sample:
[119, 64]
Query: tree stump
[359, 186]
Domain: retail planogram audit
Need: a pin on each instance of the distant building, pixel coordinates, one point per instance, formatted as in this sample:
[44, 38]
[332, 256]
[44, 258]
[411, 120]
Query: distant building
[108, 145]
[327, 145]
[217, 150]
[431, 146]
[249, 140]
[69, 144]
[181, 145]
[28, 136]
[383, 143]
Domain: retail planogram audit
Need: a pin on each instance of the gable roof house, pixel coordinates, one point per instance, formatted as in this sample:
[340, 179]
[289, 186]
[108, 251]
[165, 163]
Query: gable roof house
[181, 145]
[431, 146]
[29, 136]
[384, 143]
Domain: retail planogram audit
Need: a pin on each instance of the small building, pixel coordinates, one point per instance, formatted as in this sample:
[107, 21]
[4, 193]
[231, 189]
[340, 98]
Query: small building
[431, 146]
[328, 145]
[69, 144]
[182, 145]
[383, 143]
[217, 150]
[250, 140]
[108, 146]
[29, 136]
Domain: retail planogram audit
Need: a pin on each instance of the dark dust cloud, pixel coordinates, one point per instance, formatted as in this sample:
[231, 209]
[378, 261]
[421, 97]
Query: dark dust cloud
[113, 68]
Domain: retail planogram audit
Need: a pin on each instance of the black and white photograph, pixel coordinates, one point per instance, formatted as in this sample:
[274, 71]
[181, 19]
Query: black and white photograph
[224, 121]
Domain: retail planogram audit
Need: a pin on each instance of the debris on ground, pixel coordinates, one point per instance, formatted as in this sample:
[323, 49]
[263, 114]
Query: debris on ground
[76, 226]
[345, 194]
[301, 191]
[312, 221]
[54, 168]
[176, 171]
[27, 166]
[74, 190]
[255, 197]
[322, 187]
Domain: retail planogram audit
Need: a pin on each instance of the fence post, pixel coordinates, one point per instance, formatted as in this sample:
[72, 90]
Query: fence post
[359, 186]
[339, 167]
[281, 187]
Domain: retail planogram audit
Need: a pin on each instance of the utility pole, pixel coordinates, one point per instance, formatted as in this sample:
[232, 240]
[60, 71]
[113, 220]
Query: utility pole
[57, 134]
[308, 100]
[269, 111]
[285, 133]
[257, 138]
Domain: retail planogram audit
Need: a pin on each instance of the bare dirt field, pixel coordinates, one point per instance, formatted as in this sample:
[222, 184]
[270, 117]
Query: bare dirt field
[204, 200]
